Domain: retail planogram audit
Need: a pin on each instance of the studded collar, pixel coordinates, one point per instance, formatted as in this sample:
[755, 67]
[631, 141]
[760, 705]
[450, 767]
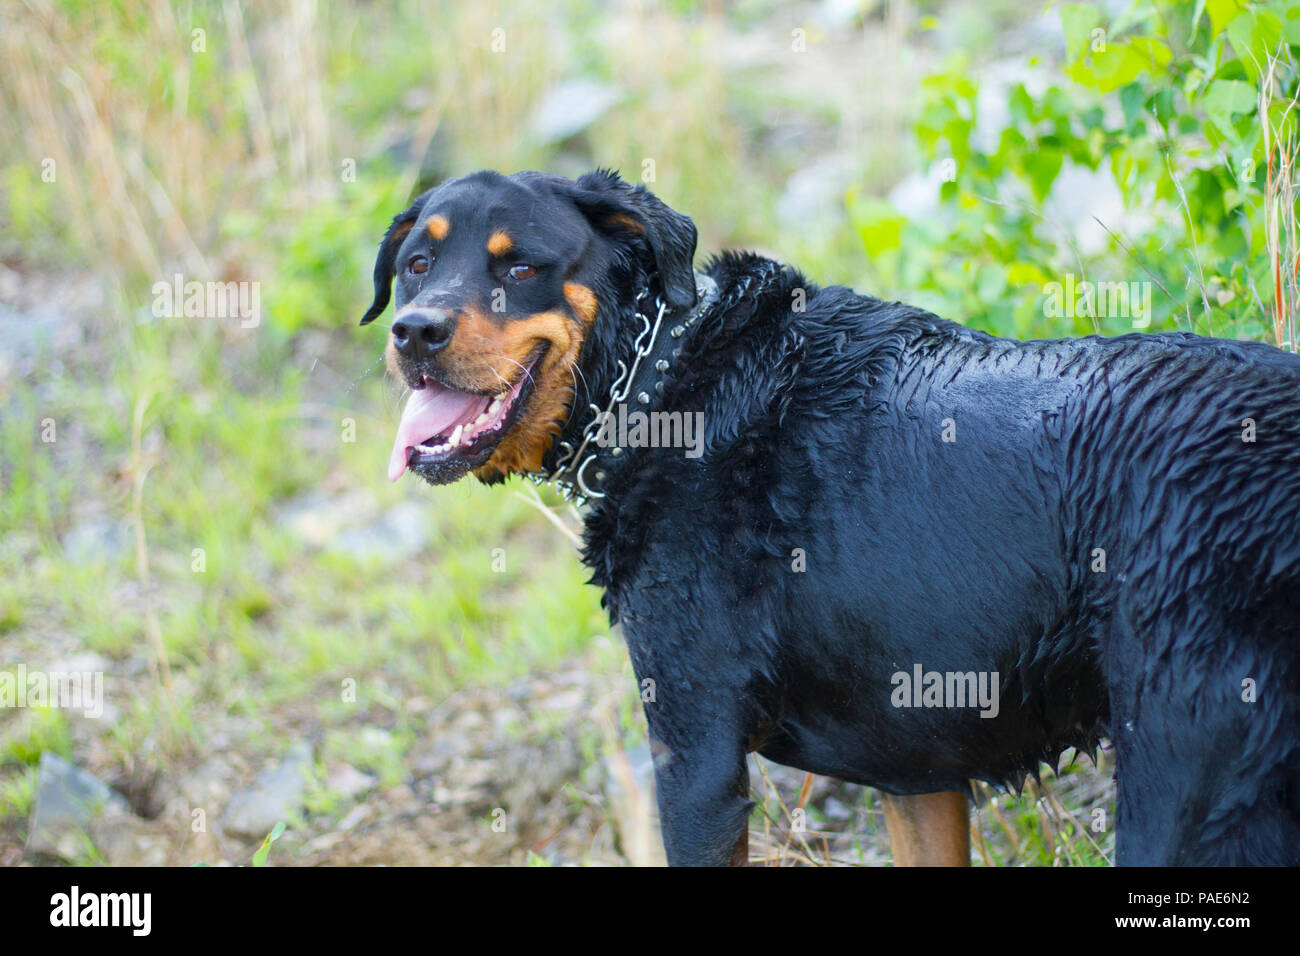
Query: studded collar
[580, 471]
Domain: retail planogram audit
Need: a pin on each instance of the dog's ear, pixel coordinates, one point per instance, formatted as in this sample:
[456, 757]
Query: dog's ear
[386, 261]
[613, 206]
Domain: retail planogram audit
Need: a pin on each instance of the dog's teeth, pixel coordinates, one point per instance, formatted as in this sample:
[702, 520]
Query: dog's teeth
[482, 418]
[455, 436]
[496, 403]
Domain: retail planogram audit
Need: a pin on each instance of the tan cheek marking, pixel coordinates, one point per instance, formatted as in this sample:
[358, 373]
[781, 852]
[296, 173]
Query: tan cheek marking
[499, 243]
[486, 353]
[478, 349]
[532, 437]
[582, 300]
[439, 227]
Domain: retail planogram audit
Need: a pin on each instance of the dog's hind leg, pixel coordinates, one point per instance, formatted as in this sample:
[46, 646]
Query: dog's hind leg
[928, 829]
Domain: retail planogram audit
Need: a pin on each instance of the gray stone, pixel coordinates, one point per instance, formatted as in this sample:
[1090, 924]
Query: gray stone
[95, 539]
[571, 107]
[352, 524]
[275, 796]
[67, 801]
[126, 840]
[317, 519]
[348, 782]
[400, 533]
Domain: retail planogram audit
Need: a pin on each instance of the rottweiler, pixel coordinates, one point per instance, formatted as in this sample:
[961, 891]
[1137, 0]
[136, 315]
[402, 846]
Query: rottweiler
[867, 542]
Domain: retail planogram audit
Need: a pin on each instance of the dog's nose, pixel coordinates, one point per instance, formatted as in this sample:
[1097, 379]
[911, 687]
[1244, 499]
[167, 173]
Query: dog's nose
[419, 333]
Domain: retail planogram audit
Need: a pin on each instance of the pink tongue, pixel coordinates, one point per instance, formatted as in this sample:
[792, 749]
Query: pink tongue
[430, 411]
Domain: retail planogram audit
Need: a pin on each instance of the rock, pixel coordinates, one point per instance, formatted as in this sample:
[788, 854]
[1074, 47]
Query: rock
[126, 840]
[193, 797]
[351, 524]
[205, 786]
[68, 799]
[377, 739]
[571, 107]
[349, 782]
[276, 795]
[88, 662]
[401, 532]
[317, 519]
[358, 814]
[95, 539]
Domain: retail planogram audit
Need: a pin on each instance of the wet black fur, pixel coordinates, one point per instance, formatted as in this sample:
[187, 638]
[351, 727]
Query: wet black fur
[824, 438]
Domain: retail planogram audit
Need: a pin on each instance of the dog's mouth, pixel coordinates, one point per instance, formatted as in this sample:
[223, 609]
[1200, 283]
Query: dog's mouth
[445, 433]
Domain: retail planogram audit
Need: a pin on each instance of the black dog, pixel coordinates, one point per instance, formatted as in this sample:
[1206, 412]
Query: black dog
[867, 542]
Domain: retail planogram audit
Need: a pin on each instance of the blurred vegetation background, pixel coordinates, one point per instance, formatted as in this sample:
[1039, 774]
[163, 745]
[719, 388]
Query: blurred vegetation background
[197, 508]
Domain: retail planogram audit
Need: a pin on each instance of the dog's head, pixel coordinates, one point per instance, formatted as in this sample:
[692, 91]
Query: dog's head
[495, 296]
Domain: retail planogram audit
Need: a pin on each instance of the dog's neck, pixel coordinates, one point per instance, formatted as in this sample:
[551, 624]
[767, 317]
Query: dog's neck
[649, 334]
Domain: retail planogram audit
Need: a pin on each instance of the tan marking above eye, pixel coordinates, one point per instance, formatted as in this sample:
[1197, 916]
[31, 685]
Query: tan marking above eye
[439, 226]
[499, 243]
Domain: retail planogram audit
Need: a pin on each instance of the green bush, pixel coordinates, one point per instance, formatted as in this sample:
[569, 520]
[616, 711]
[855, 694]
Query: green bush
[1188, 107]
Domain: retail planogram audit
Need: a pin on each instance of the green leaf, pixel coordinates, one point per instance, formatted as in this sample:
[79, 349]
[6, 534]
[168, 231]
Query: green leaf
[1077, 22]
[1291, 25]
[259, 858]
[877, 222]
[1119, 65]
[1161, 106]
[1196, 19]
[1155, 50]
[1131, 100]
[1254, 35]
[1042, 166]
[990, 283]
[1226, 99]
[1223, 11]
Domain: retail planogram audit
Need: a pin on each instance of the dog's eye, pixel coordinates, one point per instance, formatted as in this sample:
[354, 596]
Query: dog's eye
[522, 271]
[418, 265]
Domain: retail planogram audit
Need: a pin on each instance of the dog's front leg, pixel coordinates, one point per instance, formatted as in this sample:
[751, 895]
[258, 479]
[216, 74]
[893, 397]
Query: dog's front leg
[928, 829]
[703, 792]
